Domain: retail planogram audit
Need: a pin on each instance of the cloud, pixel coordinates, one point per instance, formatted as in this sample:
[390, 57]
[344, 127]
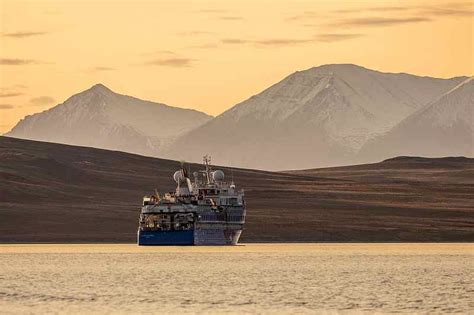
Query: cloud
[16, 62]
[234, 41]
[195, 33]
[376, 9]
[166, 52]
[380, 21]
[23, 34]
[172, 62]
[41, 100]
[10, 94]
[437, 11]
[303, 16]
[6, 106]
[271, 42]
[279, 42]
[382, 16]
[13, 90]
[203, 46]
[99, 68]
[268, 42]
[329, 38]
[458, 9]
[389, 8]
[231, 18]
[445, 9]
[159, 52]
[282, 41]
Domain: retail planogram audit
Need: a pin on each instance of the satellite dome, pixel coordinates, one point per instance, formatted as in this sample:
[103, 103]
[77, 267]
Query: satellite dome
[178, 176]
[218, 175]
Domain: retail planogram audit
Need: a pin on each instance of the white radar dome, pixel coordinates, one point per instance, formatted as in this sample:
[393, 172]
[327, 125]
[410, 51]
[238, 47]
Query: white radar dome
[178, 176]
[218, 175]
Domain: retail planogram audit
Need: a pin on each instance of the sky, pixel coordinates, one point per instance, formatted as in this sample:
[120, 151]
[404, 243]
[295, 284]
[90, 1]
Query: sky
[211, 55]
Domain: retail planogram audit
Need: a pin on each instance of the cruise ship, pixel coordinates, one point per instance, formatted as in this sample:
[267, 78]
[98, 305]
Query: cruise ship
[203, 210]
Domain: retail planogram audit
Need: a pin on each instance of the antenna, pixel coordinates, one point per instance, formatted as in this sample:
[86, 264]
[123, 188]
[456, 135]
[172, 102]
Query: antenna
[207, 161]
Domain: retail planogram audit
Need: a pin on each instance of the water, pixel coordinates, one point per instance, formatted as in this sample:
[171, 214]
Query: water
[292, 278]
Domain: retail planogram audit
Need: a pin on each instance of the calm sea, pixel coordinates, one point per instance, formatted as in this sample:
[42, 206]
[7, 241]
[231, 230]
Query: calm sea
[256, 278]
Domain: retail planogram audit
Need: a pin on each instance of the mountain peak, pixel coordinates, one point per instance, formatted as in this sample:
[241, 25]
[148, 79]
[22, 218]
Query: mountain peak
[99, 87]
[336, 67]
[342, 70]
[99, 117]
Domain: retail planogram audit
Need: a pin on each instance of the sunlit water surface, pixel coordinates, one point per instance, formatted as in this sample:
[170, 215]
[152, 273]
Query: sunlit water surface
[290, 278]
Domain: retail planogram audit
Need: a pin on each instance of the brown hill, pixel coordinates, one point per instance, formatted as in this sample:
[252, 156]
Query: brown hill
[59, 193]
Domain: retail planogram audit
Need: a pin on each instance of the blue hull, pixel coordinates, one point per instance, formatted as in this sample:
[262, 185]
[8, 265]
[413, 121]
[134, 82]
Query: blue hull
[166, 237]
[190, 237]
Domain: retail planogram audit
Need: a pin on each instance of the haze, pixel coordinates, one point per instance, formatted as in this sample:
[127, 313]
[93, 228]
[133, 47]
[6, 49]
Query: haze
[211, 55]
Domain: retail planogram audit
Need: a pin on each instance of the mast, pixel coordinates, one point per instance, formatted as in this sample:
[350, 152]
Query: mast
[207, 161]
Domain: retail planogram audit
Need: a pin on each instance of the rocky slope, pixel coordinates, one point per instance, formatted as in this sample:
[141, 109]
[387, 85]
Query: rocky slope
[444, 127]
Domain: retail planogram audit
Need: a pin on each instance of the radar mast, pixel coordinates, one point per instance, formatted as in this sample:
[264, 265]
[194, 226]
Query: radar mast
[207, 161]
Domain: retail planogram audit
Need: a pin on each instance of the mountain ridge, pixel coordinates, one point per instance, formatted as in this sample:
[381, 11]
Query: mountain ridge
[442, 127]
[99, 117]
[319, 117]
[334, 109]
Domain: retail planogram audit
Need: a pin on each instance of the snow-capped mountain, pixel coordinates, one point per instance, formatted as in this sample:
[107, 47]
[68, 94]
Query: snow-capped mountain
[318, 117]
[324, 116]
[444, 127]
[100, 118]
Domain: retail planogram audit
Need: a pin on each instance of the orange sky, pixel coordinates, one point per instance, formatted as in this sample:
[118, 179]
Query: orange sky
[210, 55]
